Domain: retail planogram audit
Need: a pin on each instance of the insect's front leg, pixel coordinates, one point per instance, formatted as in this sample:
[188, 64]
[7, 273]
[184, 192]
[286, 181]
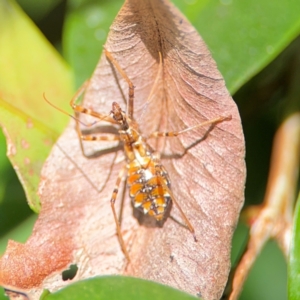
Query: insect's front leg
[79, 109]
[130, 104]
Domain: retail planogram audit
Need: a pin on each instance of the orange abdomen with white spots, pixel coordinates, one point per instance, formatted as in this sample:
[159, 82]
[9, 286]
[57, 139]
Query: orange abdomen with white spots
[149, 188]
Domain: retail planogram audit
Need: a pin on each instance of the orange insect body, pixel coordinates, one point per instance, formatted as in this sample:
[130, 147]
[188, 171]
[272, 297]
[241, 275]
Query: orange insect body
[147, 179]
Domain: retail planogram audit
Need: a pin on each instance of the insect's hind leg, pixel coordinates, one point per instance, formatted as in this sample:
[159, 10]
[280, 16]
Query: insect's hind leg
[130, 104]
[185, 218]
[112, 202]
[173, 199]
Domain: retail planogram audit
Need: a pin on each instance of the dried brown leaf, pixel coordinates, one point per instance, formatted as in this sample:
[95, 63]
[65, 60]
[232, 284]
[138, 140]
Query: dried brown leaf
[206, 167]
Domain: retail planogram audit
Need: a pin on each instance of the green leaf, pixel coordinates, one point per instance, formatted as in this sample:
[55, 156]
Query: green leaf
[244, 36]
[38, 9]
[4, 167]
[2, 296]
[294, 259]
[268, 276]
[19, 234]
[118, 287]
[13, 206]
[85, 31]
[29, 67]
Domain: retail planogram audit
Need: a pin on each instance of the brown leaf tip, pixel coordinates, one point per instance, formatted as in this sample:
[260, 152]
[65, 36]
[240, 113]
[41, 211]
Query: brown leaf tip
[25, 266]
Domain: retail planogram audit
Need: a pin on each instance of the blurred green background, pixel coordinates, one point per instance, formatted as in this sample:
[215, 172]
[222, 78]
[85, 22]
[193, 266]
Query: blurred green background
[257, 48]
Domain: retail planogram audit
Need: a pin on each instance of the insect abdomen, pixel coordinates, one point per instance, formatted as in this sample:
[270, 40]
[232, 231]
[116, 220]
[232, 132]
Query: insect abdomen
[148, 188]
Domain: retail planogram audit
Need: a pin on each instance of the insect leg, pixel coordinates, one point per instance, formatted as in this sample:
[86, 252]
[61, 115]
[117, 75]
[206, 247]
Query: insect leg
[130, 84]
[176, 133]
[80, 109]
[187, 222]
[112, 202]
[91, 137]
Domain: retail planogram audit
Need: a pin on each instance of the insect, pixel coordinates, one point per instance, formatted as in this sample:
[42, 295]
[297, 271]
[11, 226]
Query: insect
[148, 180]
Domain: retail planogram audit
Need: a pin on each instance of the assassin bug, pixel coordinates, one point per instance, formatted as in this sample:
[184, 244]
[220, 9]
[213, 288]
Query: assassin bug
[147, 179]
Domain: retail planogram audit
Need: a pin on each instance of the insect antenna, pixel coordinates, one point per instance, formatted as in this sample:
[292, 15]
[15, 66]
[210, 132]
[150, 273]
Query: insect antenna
[70, 115]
